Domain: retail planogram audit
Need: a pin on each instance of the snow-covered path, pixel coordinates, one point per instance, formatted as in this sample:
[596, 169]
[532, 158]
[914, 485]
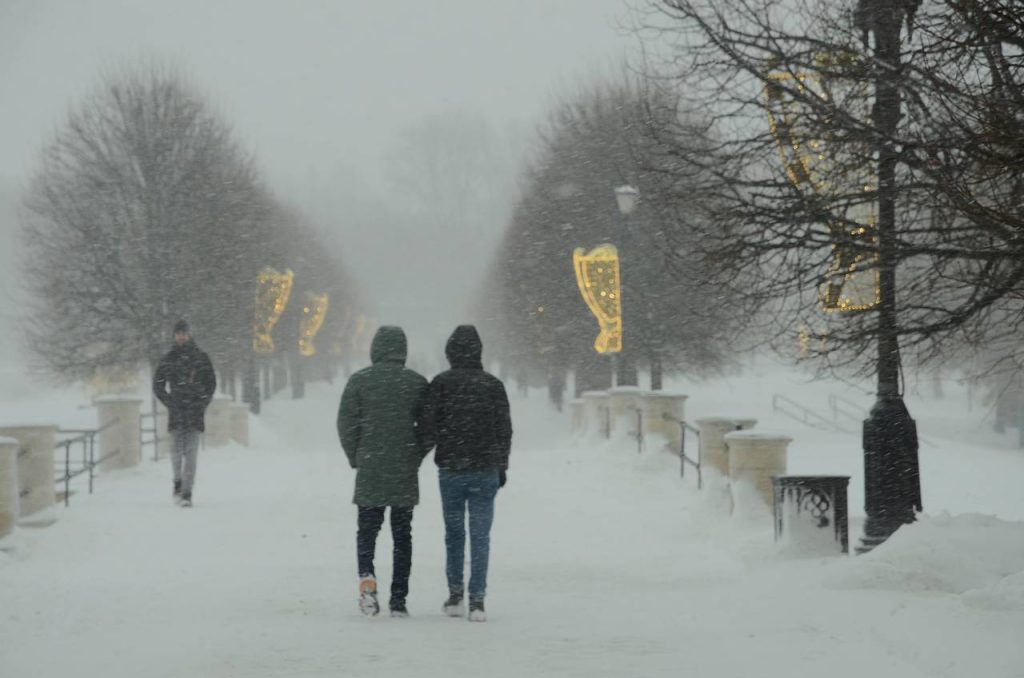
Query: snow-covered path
[604, 563]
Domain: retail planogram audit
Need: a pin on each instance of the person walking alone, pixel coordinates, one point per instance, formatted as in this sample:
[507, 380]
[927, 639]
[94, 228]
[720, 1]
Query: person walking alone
[378, 425]
[468, 415]
[188, 373]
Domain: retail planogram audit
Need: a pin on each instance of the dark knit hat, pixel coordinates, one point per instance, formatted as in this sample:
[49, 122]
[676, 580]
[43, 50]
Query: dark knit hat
[181, 326]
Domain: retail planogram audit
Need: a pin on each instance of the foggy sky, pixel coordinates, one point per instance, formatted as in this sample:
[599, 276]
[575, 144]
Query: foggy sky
[317, 88]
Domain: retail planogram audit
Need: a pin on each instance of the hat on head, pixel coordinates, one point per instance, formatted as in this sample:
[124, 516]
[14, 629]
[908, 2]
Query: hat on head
[181, 326]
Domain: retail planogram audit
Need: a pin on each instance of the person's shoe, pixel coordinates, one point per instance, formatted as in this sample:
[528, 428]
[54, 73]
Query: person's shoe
[177, 492]
[186, 500]
[476, 611]
[398, 609]
[368, 596]
[453, 606]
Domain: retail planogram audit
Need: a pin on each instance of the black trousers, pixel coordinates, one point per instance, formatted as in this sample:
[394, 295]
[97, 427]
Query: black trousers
[370, 520]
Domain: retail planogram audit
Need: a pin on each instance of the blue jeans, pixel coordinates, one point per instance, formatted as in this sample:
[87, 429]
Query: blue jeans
[474, 490]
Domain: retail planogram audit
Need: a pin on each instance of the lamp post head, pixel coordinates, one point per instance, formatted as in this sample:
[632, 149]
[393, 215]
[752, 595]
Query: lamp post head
[627, 197]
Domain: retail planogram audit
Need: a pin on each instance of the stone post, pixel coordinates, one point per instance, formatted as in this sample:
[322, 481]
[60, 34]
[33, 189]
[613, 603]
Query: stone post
[624, 402]
[713, 451]
[218, 422]
[597, 413]
[662, 411]
[240, 424]
[36, 489]
[578, 414]
[754, 458]
[122, 440]
[8, 486]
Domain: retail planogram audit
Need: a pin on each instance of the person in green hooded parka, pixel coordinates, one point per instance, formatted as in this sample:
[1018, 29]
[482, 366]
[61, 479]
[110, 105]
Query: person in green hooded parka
[379, 423]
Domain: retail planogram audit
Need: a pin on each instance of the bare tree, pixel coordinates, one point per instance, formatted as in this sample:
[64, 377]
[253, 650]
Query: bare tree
[144, 209]
[790, 226]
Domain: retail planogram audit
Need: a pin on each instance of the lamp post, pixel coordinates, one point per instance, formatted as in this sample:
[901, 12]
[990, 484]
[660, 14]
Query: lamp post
[892, 479]
[627, 198]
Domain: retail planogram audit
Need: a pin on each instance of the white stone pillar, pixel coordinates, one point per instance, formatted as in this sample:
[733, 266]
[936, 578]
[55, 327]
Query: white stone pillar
[218, 422]
[624, 402]
[36, 487]
[754, 457]
[713, 451]
[8, 486]
[122, 440]
[578, 414]
[240, 424]
[661, 412]
[598, 414]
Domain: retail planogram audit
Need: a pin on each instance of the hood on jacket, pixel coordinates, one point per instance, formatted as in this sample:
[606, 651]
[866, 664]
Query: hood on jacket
[389, 345]
[464, 348]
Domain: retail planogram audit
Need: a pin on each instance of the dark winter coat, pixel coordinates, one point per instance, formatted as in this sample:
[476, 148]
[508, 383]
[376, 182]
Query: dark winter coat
[467, 410]
[378, 419]
[189, 374]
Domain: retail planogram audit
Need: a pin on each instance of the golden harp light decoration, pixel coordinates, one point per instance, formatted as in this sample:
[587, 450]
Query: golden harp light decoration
[835, 171]
[597, 275]
[273, 290]
[313, 313]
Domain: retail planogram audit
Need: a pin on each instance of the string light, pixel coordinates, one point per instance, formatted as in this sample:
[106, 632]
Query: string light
[597, 276]
[851, 283]
[313, 314]
[273, 291]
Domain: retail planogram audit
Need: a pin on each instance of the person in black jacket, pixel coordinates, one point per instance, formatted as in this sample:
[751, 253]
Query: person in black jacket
[467, 413]
[189, 374]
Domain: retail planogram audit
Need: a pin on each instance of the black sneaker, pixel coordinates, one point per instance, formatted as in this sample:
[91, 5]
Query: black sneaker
[398, 608]
[177, 492]
[476, 611]
[453, 606]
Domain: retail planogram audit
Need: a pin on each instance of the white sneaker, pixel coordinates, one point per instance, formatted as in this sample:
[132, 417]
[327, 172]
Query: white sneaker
[368, 596]
[476, 611]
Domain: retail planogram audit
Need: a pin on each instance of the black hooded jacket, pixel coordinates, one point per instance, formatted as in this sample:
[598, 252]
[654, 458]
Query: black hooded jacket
[189, 374]
[467, 410]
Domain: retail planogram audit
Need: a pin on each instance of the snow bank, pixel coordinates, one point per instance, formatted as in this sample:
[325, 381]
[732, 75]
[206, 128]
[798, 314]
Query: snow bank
[978, 557]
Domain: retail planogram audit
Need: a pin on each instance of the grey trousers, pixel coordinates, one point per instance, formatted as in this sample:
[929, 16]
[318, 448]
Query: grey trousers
[183, 458]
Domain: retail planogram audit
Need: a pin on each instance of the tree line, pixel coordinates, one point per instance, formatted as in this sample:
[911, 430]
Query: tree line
[146, 208]
[754, 131]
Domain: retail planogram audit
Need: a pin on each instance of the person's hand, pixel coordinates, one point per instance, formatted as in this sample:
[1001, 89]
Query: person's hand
[502, 478]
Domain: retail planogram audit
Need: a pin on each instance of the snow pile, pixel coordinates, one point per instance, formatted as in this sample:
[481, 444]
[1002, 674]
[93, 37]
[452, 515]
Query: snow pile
[979, 557]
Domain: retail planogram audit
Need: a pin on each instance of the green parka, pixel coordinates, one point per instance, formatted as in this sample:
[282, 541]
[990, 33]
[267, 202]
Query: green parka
[378, 419]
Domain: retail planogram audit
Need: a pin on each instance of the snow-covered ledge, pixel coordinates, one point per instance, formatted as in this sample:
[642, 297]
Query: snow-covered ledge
[662, 411]
[754, 457]
[121, 434]
[35, 472]
[624, 402]
[597, 411]
[218, 422]
[713, 451]
[8, 485]
[240, 423]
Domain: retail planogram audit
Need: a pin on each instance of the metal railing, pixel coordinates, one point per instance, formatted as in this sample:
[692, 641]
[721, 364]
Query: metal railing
[684, 459]
[805, 415]
[841, 407]
[87, 439]
[152, 430]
